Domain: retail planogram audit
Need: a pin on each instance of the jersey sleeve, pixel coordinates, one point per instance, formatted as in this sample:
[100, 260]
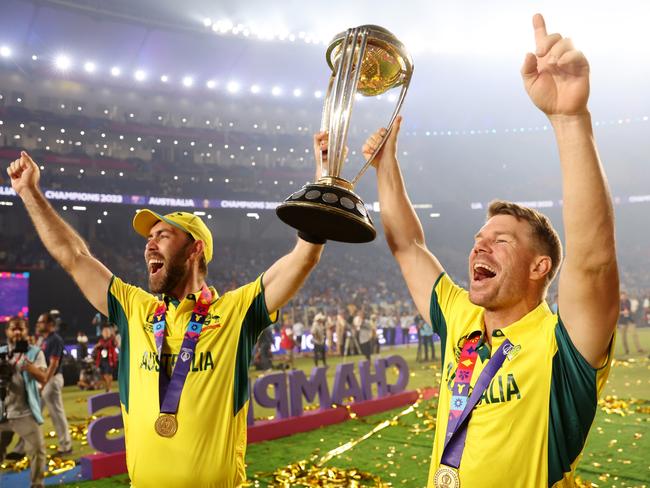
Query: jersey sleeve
[445, 296]
[252, 305]
[575, 386]
[256, 317]
[122, 298]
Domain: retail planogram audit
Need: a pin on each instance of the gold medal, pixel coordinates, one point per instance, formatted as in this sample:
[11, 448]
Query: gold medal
[166, 425]
[446, 477]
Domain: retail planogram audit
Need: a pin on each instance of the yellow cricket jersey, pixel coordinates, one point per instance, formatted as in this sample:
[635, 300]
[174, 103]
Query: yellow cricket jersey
[208, 449]
[531, 423]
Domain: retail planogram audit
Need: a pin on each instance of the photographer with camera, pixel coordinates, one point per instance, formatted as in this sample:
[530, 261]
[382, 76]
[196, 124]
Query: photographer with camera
[22, 367]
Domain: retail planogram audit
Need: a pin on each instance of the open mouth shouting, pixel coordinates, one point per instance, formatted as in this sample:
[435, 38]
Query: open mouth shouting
[155, 265]
[482, 272]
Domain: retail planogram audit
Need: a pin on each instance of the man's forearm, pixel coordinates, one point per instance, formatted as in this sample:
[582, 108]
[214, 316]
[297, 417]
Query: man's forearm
[587, 206]
[37, 373]
[58, 237]
[51, 370]
[285, 277]
[401, 224]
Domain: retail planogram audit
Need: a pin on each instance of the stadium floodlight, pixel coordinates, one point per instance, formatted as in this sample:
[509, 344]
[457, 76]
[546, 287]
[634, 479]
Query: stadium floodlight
[207, 22]
[318, 94]
[140, 75]
[255, 89]
[211, 84]
[276, 91]
[89, 67]
[34, 57]
[232, 87]
[164, 78]
[188, 81]
[116, 71]
[226, 25]
[297, 92]
[62, 62]
[5, 51]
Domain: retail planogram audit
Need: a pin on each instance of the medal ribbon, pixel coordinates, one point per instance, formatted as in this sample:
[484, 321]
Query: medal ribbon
[461, 406]
[170, 388]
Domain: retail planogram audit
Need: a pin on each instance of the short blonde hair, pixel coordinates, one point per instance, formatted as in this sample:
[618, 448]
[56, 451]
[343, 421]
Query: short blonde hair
[545, 237]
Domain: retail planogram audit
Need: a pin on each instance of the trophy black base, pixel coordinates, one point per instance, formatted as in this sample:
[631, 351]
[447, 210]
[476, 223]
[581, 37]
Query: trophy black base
[329, 212]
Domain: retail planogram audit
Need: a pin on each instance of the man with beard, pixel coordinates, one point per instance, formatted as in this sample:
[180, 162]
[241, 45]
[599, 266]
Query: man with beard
[183, 374]
[520, 384]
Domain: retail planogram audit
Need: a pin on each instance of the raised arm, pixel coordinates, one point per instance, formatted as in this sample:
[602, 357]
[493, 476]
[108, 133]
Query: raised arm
[59, 238]
[402, 227]
[557, 80]
[285, 277]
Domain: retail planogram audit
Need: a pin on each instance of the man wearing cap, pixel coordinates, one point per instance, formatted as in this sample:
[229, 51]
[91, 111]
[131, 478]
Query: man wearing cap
[184, 359]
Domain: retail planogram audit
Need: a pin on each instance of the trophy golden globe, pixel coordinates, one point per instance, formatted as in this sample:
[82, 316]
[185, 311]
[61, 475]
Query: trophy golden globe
[368, 60]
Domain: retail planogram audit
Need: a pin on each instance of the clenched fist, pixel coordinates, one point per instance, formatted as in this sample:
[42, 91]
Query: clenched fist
[388, 150]
[24, 173]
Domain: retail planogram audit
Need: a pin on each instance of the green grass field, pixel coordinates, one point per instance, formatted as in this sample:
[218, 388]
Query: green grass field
[617, 453]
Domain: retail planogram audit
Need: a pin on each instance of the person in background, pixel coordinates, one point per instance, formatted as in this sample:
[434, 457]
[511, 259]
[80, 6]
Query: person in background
[405, 322]
[286, 341]
[89, 377]
[318, 334]
[330, 331]
[298, 331]
[105, 353]
[364, 332]
[341, 331]
[426, 339]
[374, 320]
[388, 325]
[97, 323]
[627, 324]
[263, 357]
[53, 348]
[82, 345]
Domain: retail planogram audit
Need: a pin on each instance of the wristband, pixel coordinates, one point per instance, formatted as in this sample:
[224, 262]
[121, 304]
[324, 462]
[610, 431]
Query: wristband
[311, 238]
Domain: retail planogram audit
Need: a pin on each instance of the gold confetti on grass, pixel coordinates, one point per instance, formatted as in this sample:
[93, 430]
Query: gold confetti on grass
[612, 405]
[55, 465]
[314, 473]
[580, 483]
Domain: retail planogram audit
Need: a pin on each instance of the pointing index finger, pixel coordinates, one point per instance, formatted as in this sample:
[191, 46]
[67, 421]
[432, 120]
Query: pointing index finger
[540, 30]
